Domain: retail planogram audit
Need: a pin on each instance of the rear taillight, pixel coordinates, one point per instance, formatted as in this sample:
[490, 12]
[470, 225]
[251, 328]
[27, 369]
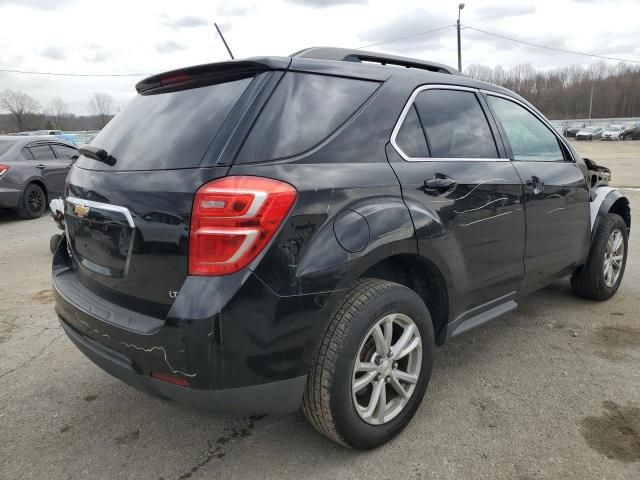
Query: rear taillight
[232, 220]
[3, 169]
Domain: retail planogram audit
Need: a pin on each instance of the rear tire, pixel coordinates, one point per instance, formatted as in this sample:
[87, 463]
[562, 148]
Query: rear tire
[335, 401]
[33, 202]
[600, 277]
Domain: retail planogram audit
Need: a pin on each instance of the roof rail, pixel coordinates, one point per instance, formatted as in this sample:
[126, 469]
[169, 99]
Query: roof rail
[352, 55]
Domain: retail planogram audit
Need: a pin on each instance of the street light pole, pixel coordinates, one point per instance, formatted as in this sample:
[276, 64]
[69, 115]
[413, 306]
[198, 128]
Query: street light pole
[460, 7]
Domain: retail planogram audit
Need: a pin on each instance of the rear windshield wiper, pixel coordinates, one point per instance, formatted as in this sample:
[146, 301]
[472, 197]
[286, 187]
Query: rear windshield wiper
[98, 154]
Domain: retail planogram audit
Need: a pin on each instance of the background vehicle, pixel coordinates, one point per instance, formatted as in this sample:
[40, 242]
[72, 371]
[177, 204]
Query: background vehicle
[329, 253]
[613, 132]
[589, 133]
[574, 128]
[631, 131]
[32, 171]
[83, 138]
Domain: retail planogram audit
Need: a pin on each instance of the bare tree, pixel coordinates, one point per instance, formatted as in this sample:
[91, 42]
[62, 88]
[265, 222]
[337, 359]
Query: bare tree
[58, 112]
[102, 106]
[21, 106]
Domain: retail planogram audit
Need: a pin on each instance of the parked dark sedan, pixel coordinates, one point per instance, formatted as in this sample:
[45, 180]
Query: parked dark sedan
[32, 171]
[631, 131]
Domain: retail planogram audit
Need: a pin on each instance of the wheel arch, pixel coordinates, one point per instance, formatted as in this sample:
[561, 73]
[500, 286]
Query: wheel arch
[423, 277]
[609, 200]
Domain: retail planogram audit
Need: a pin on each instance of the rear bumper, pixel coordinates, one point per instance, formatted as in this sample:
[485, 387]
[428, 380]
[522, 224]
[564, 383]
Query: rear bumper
[228, 337]
[275, 397]
[9, 197]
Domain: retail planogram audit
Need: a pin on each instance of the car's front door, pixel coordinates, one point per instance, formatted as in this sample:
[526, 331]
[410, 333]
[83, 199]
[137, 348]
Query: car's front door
[464, 195]
[53, 170]
[556, 192]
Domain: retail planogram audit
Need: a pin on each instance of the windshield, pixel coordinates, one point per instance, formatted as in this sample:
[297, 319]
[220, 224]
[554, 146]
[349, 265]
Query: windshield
[166, 130]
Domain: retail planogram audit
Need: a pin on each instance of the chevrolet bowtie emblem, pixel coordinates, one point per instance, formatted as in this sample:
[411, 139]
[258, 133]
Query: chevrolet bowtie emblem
[81, 210]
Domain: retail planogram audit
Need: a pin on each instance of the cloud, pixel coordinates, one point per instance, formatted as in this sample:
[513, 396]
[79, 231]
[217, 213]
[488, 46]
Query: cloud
[187, 22]
[327, 3]
[54, 53]
[504, 11]
[232, 11]
[96, 54]
[169, 47]
[409, 23]
[37, 4]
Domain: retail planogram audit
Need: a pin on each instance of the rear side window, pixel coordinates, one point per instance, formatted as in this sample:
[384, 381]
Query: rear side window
[302, 112]
[65, 153]
[410, 138]
[455, 124]
[166, 130]
[41, 152]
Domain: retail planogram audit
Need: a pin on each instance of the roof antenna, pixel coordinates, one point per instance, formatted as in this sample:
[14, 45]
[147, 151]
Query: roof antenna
[223, 40]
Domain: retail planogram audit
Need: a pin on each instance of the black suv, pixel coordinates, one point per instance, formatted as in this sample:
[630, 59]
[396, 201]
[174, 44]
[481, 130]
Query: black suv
[261, 235]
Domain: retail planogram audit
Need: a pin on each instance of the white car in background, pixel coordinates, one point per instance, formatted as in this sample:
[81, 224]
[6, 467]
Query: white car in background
[613, 132]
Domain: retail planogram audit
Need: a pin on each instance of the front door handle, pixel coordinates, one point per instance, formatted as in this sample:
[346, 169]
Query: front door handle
[439, 182]
[536, 184]
[41, 166]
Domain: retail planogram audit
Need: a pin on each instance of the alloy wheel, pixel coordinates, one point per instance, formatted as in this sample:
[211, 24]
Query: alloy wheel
[386, 369]
[613, 258]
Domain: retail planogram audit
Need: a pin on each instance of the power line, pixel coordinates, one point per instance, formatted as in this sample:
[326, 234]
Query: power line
[405, 37]
[550, 48]
[77, 74]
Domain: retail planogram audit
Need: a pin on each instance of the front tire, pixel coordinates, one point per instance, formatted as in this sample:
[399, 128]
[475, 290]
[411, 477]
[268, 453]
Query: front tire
[372, 367]
[600, 277]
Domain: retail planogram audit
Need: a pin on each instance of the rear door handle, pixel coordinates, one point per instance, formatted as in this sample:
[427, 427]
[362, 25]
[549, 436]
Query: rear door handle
[41, 166]
[439, 182]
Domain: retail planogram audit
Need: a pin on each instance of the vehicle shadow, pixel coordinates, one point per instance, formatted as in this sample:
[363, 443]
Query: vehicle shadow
[247, 446]
[8, 216]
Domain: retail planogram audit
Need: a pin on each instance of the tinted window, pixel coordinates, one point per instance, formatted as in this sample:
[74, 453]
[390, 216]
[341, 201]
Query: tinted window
[410, 138]
[26, 153]
[167, 130]
[530, 139]
[65, 153]
[41, 152]
[455, 124]
[304, 110]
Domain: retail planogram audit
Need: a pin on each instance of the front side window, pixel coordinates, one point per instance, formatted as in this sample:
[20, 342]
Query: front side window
[65, 153]
[455, 125]
[529, 138]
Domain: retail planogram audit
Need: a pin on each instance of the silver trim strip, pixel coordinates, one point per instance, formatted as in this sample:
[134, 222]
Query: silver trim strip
[104, 206]
[404, 113]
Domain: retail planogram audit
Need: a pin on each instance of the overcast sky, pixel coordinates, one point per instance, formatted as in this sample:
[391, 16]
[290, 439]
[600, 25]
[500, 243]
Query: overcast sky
[118, 36]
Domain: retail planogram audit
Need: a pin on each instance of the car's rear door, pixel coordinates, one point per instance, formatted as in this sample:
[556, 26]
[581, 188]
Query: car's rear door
[53, 170]
[464, 195]
[556, 192]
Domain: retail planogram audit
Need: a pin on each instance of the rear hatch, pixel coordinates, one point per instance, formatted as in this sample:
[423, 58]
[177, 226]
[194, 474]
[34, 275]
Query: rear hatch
[129, 196]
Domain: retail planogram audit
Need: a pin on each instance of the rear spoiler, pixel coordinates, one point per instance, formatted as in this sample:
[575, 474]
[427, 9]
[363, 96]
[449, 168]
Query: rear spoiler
[210, 73]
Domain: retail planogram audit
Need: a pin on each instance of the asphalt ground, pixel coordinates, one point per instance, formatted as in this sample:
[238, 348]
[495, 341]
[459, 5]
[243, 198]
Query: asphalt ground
[551, 390]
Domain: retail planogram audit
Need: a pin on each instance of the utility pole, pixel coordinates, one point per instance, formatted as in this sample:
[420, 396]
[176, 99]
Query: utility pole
[590, 102]
[223, 40]
[460, 7]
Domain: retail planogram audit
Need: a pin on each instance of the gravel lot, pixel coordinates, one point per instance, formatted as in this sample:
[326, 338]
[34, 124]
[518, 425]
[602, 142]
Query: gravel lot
[549, 391]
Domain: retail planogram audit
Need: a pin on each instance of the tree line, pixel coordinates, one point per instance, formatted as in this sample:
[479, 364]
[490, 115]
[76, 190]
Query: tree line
[561, 93]
[565, 93]
[26, 114]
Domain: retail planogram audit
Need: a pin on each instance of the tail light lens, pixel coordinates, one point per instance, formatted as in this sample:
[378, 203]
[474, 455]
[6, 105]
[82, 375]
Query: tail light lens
[233, 218]
[3, 169]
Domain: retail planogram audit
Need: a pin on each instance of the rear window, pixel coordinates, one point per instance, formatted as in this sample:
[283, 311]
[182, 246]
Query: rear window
[167, 130]
[302, 112]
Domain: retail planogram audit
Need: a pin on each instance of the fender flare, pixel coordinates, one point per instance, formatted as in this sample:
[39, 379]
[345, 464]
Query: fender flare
[603, 200]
